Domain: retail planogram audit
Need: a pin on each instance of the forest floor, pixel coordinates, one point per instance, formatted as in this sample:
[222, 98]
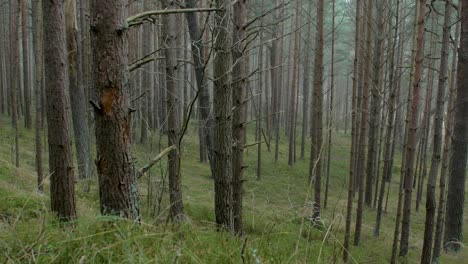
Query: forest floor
[276, 211]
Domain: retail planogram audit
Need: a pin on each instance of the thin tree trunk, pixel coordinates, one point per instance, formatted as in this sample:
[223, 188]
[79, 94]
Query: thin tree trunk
[292, 95]
[412, 128]
[25, 49]
[446, 154]
[62, 186]
[315, 171]
[330, 106]
[363, 124]
[437, 139]
[222, 108]
[306, 85]
[349, 206]
[14, 74]
[372, 154]
[239, 82]
[388, 157]
[458, 160]
[77, 96]
[173, 128]
[37, 32]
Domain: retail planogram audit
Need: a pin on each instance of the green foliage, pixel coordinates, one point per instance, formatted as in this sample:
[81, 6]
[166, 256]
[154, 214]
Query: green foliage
[276, 211]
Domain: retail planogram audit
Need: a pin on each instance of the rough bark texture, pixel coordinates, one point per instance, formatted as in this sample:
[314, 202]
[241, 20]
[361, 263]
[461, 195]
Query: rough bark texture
[198, 48]
[37, 36]
[239, 82]
[439, 229]
[15, 86]
[437, 139]
[315, 171]
[372, 153]
[306, 85]
[223, 123]
[412, 128]
[25, 49]
[388, 157]
[117, 180]
[77, 95]
[173, 126]
[458, 161]
[292, 95]
[62, 186]
[363, 125]
[349, 203]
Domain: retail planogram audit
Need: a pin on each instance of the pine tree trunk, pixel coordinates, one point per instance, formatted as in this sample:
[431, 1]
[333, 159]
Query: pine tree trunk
[363, 124]
[239, 82]
[292, 95]
[15, 86]
[372, 154]
[119, 194]
[223, 124]
[25, 49]
[205, 133]
[62, 186]
[388, 158]
[37, 38]
[437, 139]
[306, 85]
[411, 142]
[173, 127]
[77, 95]
[349, 206]
[330, 107]
[445, 156]
[458, 160]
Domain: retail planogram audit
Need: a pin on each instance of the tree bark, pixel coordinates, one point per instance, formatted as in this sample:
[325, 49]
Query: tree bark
[223, 124]
[77, 95]
[458, 160]
[25, 49]
[15, 86]
[173, 126]
[349, 203]
[446, 154]
[437, 139]
[412, 128]
[62, 186]
[119, 194]
[363, 124]
[292, 95]
[38, 59]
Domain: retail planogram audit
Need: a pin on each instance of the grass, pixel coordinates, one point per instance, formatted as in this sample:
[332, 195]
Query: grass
[275, 215]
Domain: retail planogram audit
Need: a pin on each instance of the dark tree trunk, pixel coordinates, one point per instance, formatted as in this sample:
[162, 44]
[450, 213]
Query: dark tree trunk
[239, 82]
[37, 38]
[223, 124]
[412, 128]
[372, 153]
[196, 35]
[173, 127]
[118, 186]
[15, 86]
[363, 125]
[62, 186]
[27, 90]
[292, 95]
[349, 203]
[437, 139]
[446, 155]
[306, 85]
[77, 96]
[315, 170]
[458, 160]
